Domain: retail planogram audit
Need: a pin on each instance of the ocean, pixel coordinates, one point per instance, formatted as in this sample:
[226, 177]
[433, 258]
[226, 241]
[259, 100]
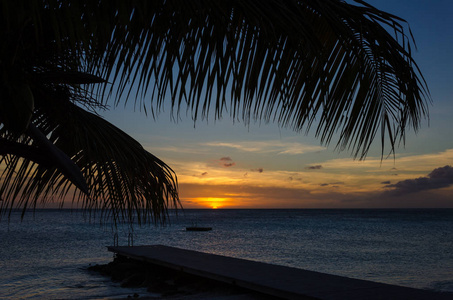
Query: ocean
[46, 255]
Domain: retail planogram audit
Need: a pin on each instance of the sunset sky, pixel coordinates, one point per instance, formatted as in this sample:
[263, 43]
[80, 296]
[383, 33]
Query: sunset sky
[226, 164]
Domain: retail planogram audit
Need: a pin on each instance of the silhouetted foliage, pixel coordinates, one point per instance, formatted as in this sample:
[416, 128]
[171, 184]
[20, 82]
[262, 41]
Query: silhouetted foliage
[323, 64]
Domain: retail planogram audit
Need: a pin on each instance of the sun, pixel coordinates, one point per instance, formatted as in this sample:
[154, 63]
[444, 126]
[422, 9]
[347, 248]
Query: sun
[212, 202]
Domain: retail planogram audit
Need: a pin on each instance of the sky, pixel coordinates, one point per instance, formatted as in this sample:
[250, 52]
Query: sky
[228, 164]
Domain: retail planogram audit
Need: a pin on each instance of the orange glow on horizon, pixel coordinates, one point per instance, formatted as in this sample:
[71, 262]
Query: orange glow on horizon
[212, 202]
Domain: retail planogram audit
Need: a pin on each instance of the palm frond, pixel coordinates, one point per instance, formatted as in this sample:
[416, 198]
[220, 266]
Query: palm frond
[326, 64]
[126, 182]
[343, 70]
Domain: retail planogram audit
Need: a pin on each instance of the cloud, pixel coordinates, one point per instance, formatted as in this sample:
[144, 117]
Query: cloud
[437, 179]
[200, 175]
[385, 182]
[259, 170]
[335, 184]
[227, 162]
[297, 148]
[317, 167]
[243, 146]
[291, 178]
[409, 163]
[272, 146]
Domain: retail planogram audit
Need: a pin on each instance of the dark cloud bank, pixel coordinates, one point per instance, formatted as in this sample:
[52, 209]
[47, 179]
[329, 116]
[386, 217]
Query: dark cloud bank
[437, 179]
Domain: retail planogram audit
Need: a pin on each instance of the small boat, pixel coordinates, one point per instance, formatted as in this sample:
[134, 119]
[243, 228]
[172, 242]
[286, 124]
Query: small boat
[197, 228]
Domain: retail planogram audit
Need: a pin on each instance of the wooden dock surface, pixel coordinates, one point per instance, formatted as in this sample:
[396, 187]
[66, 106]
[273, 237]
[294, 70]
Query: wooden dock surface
[279, 281]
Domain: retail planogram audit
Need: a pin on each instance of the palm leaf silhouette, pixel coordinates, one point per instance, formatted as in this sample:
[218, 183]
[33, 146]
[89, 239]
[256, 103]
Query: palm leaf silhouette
[342, 70]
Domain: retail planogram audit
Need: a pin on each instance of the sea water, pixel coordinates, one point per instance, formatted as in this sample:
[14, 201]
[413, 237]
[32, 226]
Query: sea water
[46, 255]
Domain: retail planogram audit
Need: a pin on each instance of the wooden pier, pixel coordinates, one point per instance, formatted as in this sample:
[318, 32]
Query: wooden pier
[278, 281]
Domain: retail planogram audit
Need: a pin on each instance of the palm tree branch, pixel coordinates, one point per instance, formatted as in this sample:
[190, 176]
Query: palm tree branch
[268, 67]
[344, 70]
[124, 178]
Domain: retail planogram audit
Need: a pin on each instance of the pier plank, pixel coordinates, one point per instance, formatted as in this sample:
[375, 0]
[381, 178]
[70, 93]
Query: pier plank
[279, 281]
